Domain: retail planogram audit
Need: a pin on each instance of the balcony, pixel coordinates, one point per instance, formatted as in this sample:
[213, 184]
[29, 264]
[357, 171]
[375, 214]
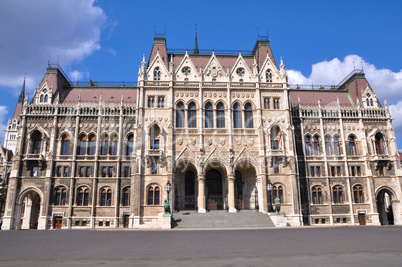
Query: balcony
[34, 157]
[153, 152]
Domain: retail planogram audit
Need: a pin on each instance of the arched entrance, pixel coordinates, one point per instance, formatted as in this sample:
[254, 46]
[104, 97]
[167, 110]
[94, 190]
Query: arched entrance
[30, 210]
[246, 193]
[189, 190]
[384, 206]
[214, 197]
[185, 186]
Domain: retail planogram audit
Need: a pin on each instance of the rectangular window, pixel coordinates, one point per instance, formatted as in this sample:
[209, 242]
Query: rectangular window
[352, 171]
[82, 171]
[34, 172]
[266, 103]
[161, 102]
[59, 171]
[110, 171]
[312, 171]
[88, 174]
[108, 223]
[380, 171]
[154, 168]
[332, 171]
[84, 223]
[65, 173]
[358, 171]
[276, 103]
[276, 168]
[151, 101]
[126, 171]
[338, 171]
[104, 170]
[318, 171]
[101, 223]
[77, 223]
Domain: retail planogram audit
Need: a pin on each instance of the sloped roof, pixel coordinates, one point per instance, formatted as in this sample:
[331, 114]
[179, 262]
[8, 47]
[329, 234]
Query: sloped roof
[93, 94]
[327, 97]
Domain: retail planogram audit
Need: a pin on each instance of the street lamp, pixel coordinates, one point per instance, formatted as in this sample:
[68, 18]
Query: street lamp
[168, 188]
[269, 188]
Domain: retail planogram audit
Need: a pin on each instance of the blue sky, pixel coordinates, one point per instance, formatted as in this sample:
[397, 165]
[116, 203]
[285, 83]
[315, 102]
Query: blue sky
[320, 41]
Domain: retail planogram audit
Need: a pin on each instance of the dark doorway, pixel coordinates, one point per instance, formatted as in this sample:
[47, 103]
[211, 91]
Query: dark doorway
[58, 222]
[362, 219]
[189, 191]
[125, 220]
[214, 190]
[33, 223]
[238, 190]
[384, 207]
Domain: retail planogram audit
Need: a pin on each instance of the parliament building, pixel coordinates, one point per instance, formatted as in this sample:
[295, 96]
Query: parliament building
[224, 128]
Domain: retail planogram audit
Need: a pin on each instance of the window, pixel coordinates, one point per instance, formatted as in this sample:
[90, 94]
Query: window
[82, 171]
[186, 71]
[82, 144]
[336, 145]
[126, 196]
[240, 72]
[151, 101]
[276, 137]
[157, 74]
[337, 194]
[358, 194]
[192, 115]
[379, 144]
[60, 196]
[58, 171]
[155, 137]
[248, 116]
[130, 145]
[104, 145]
[316, 144]
[126, 171]
[266, 103]
[113, 145]
[65, 144]
[333, 171]
[277, 192]
[92, 145]
[220, 116]
[110, 171]
[154, 168]
[37, 142]
[353, 171]
[268, 76]
[338, 171]
[82, 196]
[276, 168]
[46, 98]
[352, 145]
[161, 102]
[312, 171]
[104, 170]
[358, 171]
[328, 145]
[106, 197]
[276, 103]
[317, 195]
[318, 171]
[153, 195]
[209, 116]
[236, 116]
[65, 172]
[88, 174]
[41, 99]
[307, 143]
[180, 115]
[34, 172]
[380, 170]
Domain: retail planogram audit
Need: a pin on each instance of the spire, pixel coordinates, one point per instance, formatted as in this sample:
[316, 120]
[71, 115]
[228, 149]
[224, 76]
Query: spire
[196, 51]
[22, 95]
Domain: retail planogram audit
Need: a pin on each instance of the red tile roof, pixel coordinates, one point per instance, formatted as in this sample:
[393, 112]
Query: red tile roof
[327, 97]
[110, 95]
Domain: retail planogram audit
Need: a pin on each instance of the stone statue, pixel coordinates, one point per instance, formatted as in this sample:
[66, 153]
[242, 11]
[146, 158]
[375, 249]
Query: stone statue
[167, 207]
[277, 205]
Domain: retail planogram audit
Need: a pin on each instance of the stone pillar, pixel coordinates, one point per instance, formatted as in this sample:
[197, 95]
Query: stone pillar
[231, 194]
[201, 194]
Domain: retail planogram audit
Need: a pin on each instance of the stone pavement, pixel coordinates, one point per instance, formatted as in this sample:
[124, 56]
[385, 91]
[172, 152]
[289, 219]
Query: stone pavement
[221, 219]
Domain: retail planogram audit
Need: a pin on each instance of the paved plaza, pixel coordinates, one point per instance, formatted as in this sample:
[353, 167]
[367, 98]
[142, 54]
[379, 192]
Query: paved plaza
[340, 246]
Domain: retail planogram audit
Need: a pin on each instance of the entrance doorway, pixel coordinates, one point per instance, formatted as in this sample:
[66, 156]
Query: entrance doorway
[125, 220]
[362, 219]
[214, 190]
[30, 209]
[189, 191]
[384, 207]
[238, 190]
[58, 222]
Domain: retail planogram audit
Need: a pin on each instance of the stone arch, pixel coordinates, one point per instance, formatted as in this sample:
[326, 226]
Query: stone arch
[216, 184]
[387, 206]
[247, 186]
[29, 209]
[185, 185]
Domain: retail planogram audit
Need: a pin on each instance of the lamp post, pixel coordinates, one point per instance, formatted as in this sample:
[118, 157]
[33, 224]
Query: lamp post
[168, 188]
[269, 188]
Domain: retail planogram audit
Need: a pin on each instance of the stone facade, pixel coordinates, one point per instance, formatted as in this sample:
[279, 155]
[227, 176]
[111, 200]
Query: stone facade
[220, 127]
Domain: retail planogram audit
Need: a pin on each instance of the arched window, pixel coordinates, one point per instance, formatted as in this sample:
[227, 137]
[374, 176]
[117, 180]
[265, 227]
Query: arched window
[316, 143]
[113, 145]
[248, 116]
[41, 98]
[60, 196]
[157, 74]
[46, 98]
[328, 145]
[106, 197]
[277, 192]
[337, 193]
[82, 196]
[220, 116]
[379, 143]
[153, 195]
[307, 143]
[37, 142]
[65, 144]
[276, 137]
[104, 145]
[92, 145]
[368, 102]
[236, 116]
[358, 194]
[151, 101]
[154, 136]
[82, 144]
[126, 196]
[209, 116]
[352, 145]
[180, 115]
[371, 103]
[192, 115]
[130, 145]
[317, 195]
[336, 145]
[268, 76]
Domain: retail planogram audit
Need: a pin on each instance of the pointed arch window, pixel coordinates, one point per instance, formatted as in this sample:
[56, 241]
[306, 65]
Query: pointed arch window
[37, 142]
[82, 196]
[126, 197]
[248, 116]
[65, 144]
[180, 115]
[307, 143]
[220, 116]
[60, 196]
[316, 144]
[82, 144]
[352, 145]
[192, 115]
[104, 145]
[236, 116]
[277, 192]
[358, 194]
[106, 197]
[157, 74]
[379, 143]
[91, 145]
[153, 195]
[317, 195]
[130, 144]
[41, 98]
[209, 116]
[336, 145]
[154, 135]
[328, 145]
[45, 99]
[337, 193]
[268, 76]
[113, 145]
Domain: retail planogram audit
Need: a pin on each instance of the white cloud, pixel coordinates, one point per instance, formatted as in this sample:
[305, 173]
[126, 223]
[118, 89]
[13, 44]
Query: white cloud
[77, 75]
[112, 51]
[385, 82]
[3, 113]
[31, 31]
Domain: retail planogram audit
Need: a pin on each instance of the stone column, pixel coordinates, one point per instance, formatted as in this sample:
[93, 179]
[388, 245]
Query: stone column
[231, 194]
[201, 194]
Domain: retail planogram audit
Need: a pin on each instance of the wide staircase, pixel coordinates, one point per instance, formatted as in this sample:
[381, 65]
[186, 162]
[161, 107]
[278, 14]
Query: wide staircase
[221, 219]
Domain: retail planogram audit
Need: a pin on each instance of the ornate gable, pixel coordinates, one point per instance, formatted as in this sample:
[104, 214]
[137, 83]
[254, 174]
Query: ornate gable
[240, 71]
[245, 154]
[186, 70]
[214, 71]
[269, 67]
[216, 153]
[186, 154]
[157, 65]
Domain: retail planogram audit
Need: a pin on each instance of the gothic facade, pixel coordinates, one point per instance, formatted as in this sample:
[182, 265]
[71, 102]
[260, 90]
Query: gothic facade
[221, 127]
